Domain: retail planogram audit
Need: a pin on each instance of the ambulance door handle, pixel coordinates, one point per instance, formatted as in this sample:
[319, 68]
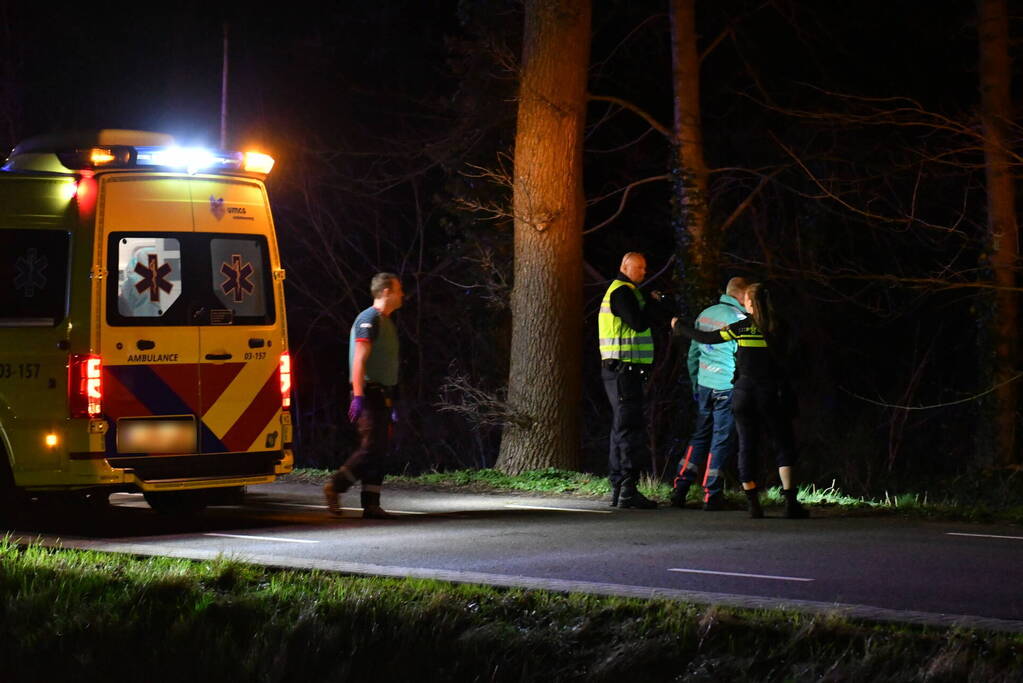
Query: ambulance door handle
[257, 343]
[145, 344]
[218, 356]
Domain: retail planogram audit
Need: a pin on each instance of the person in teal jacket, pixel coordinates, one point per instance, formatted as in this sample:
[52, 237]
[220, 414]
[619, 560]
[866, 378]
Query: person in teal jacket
[711, 368]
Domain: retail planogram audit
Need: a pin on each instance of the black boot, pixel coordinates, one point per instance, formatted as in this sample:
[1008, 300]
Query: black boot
[714, 503]
[793, 508]
[632, 498]
[753, 502]
[679, 495]
[371, 506]
[616, 492]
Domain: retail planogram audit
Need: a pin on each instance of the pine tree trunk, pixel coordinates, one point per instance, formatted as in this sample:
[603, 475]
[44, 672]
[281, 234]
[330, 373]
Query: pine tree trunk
[996, 112]
[544, 384]
[695, 243]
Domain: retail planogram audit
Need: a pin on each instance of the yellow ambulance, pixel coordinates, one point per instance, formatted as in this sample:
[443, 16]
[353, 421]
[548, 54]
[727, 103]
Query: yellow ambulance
[143, 341]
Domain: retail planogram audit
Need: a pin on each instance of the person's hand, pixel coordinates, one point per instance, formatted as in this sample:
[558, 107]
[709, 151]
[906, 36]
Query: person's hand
[355, 408]
[394, 414]
[656, 295]
[673, 321]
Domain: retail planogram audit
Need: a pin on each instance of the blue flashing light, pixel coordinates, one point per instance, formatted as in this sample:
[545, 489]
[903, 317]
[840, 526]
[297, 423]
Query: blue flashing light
[190, 159]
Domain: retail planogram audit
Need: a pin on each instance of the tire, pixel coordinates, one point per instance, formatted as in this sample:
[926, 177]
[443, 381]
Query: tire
[94, 501]
[12, 499]
[227, 495]
[176, 503]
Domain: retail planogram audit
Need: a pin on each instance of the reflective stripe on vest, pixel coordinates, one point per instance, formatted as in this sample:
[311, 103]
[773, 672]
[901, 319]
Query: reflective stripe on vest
[751, 338]
[618, 340]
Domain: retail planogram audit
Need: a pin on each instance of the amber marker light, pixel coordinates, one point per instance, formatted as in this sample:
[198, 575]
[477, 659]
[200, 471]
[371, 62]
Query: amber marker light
[99, 156]
[50, 440]
[256, 162]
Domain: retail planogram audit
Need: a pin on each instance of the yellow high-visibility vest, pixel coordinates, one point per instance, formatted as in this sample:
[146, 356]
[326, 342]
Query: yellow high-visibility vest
[618, 340]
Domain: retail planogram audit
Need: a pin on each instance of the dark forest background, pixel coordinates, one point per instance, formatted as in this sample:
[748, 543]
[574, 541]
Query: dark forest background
[842, 138]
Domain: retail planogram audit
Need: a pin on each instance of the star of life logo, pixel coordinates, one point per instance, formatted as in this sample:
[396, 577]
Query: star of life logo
[30, 273]
[236, 280]
[154, 278]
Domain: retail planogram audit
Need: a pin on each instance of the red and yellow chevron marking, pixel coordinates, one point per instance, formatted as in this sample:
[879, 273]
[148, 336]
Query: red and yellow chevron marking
[239, 403]
[244, 403]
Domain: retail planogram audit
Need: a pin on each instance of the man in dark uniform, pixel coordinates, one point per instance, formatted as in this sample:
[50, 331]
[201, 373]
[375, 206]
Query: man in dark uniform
[373, 360]
[627, 354]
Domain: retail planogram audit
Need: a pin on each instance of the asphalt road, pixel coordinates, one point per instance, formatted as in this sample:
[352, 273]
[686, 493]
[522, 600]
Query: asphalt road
[875, 567]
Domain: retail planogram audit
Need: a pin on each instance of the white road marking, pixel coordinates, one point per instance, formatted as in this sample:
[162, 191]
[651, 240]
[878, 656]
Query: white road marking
[541, 507]
[748, 576]
[263, 538]
[324, 507]
[1011, 538]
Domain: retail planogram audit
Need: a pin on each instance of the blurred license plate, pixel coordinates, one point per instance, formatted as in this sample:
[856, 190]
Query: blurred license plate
[156, 436]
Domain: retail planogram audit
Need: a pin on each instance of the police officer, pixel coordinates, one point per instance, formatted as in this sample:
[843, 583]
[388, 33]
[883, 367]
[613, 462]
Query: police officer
[711, 369]
[627, 354]
[373, 360]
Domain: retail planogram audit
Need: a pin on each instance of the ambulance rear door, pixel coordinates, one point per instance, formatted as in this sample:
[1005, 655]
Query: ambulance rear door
[149, 342]
[241, 337]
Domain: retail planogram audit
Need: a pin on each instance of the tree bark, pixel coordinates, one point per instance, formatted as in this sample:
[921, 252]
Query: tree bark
[544, 384]
[696, 246]
[996, 112]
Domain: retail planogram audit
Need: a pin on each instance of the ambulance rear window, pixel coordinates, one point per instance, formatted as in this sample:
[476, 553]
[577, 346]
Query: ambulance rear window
[33, 278]
[185, 278]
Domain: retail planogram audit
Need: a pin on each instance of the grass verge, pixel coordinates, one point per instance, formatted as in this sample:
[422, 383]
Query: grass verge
[983, 497]
[87, 616]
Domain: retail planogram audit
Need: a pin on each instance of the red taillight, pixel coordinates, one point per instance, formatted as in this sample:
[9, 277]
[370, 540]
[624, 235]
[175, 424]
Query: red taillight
[85, 193]
[85, 385]
[286, 380]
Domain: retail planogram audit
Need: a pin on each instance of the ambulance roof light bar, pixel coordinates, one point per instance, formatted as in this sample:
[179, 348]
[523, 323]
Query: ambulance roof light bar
[110, 149]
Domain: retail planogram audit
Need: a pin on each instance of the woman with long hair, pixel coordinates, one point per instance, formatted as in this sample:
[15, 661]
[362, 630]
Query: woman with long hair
[761, 400]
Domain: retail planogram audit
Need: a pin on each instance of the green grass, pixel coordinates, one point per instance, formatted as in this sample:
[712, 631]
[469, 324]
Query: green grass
[87, 616]
[983, 497]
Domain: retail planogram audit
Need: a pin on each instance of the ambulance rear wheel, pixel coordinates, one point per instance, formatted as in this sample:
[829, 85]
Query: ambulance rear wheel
[12, 499]
[176, 503]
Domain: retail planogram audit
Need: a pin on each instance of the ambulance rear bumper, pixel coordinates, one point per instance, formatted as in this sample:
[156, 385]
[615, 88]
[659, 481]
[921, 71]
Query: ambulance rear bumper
[176, 472]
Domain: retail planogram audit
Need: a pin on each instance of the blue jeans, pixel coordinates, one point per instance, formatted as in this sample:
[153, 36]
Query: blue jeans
[713, 441]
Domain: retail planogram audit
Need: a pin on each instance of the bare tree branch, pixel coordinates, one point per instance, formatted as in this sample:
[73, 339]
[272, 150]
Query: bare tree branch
[625, 104]
[625, 195]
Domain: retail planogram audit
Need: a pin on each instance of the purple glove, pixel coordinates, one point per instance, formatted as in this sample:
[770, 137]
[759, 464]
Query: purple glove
[394, 415]
[355, 409]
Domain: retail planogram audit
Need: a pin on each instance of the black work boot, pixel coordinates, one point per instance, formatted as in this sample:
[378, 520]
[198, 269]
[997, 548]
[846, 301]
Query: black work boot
[616, 492]
[371, 506]
[679, 495]
[632, 498]
[793, 508]
[753, 503]
[714, 503]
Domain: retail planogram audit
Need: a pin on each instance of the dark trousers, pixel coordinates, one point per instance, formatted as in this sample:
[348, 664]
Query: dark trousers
[629, 452]
[713, 440]
[759, 412]
[366, 463]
